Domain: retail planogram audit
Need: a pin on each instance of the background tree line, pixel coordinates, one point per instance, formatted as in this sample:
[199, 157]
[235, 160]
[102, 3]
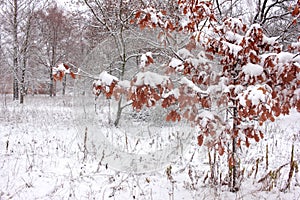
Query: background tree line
[37, 35]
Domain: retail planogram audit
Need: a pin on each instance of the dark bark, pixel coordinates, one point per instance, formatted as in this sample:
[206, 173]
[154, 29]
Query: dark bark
[15, 51]
[24, 62]
[51, 85]
[64, 83]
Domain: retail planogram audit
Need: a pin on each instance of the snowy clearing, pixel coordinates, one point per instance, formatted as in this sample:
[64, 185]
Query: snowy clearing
[42, 157]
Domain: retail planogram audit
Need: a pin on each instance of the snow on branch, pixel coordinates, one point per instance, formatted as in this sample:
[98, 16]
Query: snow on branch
[61, 70]
[193, 86]
[253, 69]
[105, 84]
[151, 79]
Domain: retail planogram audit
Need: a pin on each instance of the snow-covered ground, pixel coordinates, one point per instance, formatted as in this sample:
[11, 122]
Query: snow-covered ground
[43, 157]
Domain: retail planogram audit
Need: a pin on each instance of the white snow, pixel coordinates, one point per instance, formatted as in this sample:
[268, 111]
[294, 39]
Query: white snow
[144, 59]
[174, 92]
[42, 158]
[296, 44]
[285, 57]
[233, 48]
[124, 84]
[184, 53]
[252, 27]
[253, 69]
[150, 78]
[154, 18]
[269, 40]
[254, 93]
[106, 79]
[231, 36]
[175, 62]
[191, 85]
[60, 68]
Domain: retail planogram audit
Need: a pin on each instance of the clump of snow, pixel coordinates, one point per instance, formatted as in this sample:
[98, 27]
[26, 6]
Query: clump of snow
[60, 68]
[297, 93]
[296, 45]
[184, 53]
[154, 18]
[231, 36]
[106, 79]
[285, 57]
[252, 27]
[205, 116]
[150, 78]
[269, 40]
[238, 89]
[144, 58]
[254, 93]
[233, 48]
[124, 84]
[175, 62]
[191, 85]
[174, 92]
[184, 21]
[253, 69]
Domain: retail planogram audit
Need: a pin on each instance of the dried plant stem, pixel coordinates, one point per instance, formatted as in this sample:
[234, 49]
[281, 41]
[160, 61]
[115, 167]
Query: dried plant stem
[256, 168]
[84, 144]
[267, 157]
[292, 169]
[270, 179]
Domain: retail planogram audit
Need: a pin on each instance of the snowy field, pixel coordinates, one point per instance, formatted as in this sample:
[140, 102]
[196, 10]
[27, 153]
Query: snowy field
[43, 156]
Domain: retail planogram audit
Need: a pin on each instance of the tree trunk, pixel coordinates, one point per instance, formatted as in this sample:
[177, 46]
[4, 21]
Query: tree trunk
[234, 166]
[51, 86]
[234, 187]
[122, 49]
[22, 89]
[15, 51]
[52, 82]
[15, 88]
[119, 112]
[24, 61]
[64, 83]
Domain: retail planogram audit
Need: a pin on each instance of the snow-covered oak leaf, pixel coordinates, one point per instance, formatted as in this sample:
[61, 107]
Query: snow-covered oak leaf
[105, 84]
[254, 78]
[146, 59]
[61, 70]
[191, 14]
[147, 88]
[58, 76]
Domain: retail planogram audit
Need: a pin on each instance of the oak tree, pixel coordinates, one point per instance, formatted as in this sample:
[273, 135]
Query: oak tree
[230, 78]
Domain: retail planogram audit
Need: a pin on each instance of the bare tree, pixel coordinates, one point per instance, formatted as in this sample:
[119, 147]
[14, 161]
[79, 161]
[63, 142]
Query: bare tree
[18, 17]
[54, 30]
[274, 16]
